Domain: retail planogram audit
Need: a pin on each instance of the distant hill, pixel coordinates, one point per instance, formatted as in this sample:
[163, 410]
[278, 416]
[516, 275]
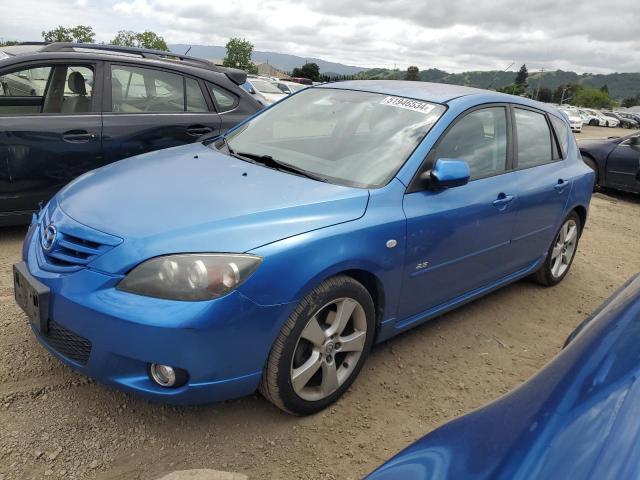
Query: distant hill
[281, 61]
[620, 85]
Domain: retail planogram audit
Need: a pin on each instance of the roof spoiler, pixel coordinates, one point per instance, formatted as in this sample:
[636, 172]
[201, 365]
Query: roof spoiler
[235, 75]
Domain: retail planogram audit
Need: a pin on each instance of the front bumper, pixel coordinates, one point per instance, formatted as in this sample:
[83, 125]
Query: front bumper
[223, 344]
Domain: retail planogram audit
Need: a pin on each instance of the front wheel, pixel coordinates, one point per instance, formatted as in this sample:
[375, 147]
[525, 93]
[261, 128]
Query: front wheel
[321, 348]
[561, 253]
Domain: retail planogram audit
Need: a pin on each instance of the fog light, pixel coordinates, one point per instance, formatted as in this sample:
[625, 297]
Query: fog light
[163, 375]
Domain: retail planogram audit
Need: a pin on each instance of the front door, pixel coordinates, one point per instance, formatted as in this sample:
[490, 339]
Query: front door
[50, 131]
[458, 239]
[151, 109]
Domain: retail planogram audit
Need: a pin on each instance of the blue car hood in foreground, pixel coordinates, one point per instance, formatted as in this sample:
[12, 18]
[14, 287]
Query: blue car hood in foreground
[194, 199]
[578, 418]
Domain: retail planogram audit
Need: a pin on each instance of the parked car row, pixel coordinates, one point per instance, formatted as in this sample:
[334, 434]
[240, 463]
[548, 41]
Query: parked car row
[599, 118]
[268, 90]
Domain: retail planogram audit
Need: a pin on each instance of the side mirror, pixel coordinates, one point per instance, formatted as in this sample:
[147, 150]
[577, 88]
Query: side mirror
[447, 173]
[635, 141]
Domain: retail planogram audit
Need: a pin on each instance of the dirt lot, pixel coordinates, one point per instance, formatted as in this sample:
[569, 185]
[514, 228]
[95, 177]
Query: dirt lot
[58, 424]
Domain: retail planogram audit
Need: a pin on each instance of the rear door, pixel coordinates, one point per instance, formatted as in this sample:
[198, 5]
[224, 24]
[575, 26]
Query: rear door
[50, 130]
[151, 108]
[623, 167]
[228, 106]
[544, 180]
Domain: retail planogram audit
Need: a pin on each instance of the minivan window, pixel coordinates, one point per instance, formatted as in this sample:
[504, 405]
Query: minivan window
[534, 138]
[480, 139]
[354, 138]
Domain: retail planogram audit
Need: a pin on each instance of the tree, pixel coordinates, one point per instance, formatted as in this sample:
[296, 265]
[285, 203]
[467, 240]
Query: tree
[77, 34]
[8, 43]
[631, 101]
[146, 39]
[545, 95]
[310, 71]
[413, 73]
[522, 76]
[238, 55]
[604, 89]
[592, 98]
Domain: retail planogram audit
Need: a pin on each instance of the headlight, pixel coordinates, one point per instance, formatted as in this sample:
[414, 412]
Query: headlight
[190, 277]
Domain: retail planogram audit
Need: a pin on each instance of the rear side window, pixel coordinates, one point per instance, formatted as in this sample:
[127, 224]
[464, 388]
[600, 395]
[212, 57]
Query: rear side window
[140, 90]
[225, 100]
[480, 139]
[534, 138]
[562, 132]
[195, 98]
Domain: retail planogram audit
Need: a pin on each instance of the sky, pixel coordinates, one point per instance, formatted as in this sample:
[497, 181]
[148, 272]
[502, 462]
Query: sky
[452, 35]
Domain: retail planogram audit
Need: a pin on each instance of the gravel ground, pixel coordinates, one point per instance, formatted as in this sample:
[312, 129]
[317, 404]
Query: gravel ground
[58, 424]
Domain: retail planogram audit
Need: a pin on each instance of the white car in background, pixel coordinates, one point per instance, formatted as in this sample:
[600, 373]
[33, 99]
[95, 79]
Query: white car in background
[603, 120]
[290, 87]
[266, 88]
[591, 119]
[575, 120]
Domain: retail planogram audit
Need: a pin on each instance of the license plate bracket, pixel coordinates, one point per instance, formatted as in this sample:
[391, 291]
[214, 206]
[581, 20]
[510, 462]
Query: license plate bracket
[32, 296]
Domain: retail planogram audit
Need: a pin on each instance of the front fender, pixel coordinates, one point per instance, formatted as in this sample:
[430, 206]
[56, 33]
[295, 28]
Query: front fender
[294, 266]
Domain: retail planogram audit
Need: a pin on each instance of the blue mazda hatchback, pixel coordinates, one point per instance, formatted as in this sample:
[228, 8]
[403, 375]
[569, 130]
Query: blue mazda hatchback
[275, 256]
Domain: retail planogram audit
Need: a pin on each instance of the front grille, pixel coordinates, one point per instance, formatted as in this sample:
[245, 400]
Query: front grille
[75, 245]
[67, 343]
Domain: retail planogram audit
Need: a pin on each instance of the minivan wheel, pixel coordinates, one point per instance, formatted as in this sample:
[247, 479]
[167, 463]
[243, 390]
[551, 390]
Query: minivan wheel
[321, 348]
[561, 253]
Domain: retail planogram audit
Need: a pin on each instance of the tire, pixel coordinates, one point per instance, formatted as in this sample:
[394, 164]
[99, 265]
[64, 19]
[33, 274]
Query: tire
[309, 367]
[591, 163]
[561, 253]
[593, 122]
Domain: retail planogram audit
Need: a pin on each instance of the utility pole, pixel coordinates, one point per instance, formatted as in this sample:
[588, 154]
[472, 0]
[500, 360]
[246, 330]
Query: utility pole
[539, 81]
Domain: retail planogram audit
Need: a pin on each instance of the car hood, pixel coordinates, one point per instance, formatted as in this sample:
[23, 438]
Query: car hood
[195, 199]
[577, 418]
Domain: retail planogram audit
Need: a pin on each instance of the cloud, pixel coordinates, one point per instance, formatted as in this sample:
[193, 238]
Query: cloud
[454, 35]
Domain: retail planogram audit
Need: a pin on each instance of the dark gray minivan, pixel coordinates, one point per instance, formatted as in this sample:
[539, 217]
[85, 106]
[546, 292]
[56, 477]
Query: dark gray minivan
[68, 108]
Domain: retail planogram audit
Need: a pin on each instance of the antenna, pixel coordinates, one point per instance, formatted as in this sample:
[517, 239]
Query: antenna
[188, 50]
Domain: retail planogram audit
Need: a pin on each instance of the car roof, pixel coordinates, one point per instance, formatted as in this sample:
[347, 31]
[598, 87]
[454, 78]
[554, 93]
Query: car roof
[168, 60]
[433, 92]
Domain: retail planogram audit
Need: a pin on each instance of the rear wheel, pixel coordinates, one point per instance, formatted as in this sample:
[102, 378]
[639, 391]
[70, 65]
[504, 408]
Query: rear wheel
[561, 253]
[321, 348]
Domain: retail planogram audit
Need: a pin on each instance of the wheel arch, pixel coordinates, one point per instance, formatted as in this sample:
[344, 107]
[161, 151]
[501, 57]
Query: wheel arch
[582, 213]
[589, 156]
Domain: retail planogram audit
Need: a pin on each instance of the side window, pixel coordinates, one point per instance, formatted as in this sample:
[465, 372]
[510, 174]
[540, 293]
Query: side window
[225, 100]
[195, 98]
[534, 139]
[562, 132]
[30, 82]
[140, 90]
[480, 139]
[48, 89]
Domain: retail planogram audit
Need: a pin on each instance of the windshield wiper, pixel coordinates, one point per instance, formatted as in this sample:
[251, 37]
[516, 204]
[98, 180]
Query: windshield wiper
[269, 161]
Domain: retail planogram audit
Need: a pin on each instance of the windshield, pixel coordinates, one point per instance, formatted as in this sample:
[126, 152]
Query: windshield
[264, 86]
[353, 138]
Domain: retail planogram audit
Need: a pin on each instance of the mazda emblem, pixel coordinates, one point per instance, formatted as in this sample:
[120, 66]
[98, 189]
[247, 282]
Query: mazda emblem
[49, 237]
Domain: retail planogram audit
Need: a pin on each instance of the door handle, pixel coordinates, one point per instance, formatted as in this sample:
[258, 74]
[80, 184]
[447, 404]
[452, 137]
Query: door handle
[561, 185]
[78, 136]
[503, 200]
[198, 130]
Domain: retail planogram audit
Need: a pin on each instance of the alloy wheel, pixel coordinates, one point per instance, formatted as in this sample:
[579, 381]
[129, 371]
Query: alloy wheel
[328, 349]
[564, 248]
